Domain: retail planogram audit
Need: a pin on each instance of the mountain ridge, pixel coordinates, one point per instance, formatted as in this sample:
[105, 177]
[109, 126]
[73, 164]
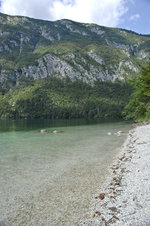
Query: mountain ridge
[38, 49]
[36, 19]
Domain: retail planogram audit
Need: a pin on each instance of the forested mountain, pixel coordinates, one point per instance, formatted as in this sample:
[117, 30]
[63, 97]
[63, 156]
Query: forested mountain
[38, 49]
[65, 69]
[56, 98]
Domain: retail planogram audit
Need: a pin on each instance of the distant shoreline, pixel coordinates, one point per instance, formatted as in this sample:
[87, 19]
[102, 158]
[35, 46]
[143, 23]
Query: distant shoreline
[124, 198]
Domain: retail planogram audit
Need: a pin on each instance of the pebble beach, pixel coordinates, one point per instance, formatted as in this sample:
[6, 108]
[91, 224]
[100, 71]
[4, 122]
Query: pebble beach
[124, 198]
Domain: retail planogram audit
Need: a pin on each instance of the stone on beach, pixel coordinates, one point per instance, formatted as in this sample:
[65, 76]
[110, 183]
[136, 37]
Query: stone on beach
[128, 185]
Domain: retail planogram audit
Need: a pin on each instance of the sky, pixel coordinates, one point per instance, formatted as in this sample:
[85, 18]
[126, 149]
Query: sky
[128, 14]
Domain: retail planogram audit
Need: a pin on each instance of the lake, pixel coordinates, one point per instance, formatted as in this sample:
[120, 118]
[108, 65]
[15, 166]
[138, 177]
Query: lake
[49, 179]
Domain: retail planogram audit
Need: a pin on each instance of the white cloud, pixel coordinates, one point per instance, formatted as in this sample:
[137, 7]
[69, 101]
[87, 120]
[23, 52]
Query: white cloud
[31, 8]
[134, 17]
[103, 12]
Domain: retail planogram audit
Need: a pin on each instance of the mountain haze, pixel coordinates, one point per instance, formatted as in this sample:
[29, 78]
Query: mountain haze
[38, 49]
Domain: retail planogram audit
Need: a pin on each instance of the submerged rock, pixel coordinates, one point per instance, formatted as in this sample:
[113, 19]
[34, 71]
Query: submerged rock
[119, 133]
[43, 131]
[57, 131]
[51, 131]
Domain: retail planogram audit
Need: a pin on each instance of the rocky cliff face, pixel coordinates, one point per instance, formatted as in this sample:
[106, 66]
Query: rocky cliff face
[36, 48]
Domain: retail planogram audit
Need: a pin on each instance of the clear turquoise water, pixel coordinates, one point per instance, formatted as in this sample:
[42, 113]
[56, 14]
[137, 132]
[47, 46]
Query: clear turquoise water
[49, 179]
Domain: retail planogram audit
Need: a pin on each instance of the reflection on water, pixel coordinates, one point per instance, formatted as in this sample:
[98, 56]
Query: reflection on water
[49, 179]
[18, 125]
[26, 125]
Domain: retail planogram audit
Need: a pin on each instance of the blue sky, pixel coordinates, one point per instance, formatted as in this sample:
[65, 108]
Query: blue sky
[129, 14]
[137, 17]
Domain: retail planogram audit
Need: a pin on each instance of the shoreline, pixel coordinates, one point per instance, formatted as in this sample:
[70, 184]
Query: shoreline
[51, 178]
[124, 197]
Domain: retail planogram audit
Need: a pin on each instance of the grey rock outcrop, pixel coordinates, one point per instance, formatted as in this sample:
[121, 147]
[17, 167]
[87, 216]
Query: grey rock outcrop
[38, 49]
[50, 65]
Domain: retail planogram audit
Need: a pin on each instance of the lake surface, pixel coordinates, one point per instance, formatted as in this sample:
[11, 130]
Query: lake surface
[49, 179]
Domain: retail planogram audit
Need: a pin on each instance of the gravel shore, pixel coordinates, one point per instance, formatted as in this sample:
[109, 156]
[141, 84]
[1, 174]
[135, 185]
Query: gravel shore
[124, 198]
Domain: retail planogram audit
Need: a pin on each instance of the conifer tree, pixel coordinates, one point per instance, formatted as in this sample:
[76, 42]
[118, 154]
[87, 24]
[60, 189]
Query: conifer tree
[139, 105]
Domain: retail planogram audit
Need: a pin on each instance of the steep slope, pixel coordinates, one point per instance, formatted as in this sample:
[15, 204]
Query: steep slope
[38, 49]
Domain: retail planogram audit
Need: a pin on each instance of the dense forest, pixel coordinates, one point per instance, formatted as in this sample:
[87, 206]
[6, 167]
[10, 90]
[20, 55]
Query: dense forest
[64, 98]
[138, 107]
[56, 98]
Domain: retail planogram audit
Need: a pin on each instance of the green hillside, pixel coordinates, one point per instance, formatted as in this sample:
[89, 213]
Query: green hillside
[38, 49]
[57, 98]
[41, 63]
